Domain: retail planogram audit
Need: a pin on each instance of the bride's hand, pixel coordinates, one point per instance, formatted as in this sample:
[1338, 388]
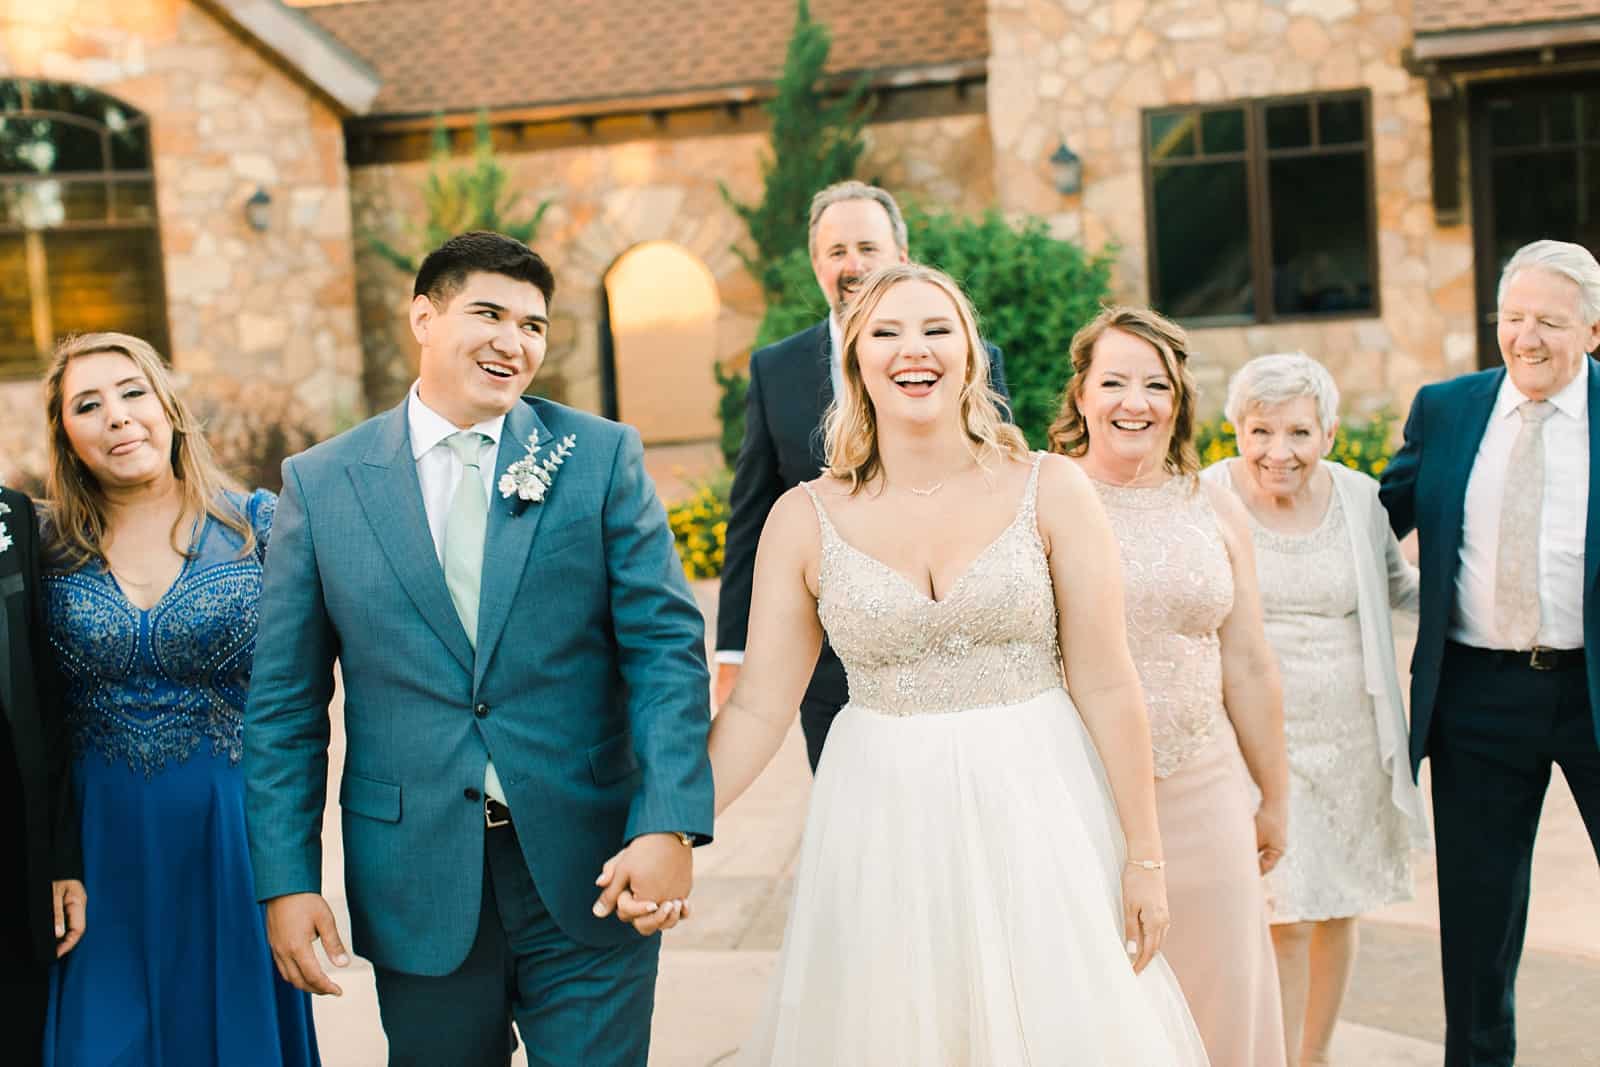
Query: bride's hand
[1144, 913]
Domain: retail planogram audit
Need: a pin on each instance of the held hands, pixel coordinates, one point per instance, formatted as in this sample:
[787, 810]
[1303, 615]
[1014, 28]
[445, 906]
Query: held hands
[1272, 833]
[71, 903]
[648, 883]
[727, 677]
[293, 921]
[1145, 918]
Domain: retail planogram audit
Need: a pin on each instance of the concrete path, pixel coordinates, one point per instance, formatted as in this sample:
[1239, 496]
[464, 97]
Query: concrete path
[715, 968]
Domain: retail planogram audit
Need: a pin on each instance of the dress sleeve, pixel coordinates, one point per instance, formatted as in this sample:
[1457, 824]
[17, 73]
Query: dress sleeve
[260, 507]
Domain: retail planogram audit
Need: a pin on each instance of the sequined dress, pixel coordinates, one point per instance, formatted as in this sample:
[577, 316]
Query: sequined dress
[174, 968]
[957, 899]
[1348, 849]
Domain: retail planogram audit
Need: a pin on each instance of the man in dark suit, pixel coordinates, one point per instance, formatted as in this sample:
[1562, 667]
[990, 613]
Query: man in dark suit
[855, 228]
[41, 865]
[1498, 475]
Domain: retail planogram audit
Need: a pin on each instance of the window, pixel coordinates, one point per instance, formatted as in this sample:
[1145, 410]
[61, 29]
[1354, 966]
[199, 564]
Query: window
[78, 241]
[1263, 210]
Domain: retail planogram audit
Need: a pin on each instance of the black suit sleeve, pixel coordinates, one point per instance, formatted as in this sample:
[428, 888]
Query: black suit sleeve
[997, 374]
[1398, 489]
[757, 485]
[66, 850]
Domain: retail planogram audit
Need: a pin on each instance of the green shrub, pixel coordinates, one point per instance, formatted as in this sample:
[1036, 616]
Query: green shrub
[700, 527]
[1363, 445]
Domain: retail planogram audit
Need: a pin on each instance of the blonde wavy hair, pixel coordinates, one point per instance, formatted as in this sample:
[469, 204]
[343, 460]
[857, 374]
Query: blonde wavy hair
[1069, 434]
[78, 518]
[851, 433]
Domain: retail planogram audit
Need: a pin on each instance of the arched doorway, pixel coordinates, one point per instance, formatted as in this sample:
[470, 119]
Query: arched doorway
[661, 307]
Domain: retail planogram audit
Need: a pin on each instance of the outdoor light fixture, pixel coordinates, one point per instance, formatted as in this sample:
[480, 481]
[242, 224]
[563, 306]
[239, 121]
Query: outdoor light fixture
[1067, 169]
[258, 210]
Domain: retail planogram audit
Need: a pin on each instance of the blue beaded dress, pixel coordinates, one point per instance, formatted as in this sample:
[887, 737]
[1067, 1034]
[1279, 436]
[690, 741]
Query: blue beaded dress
[174, 968]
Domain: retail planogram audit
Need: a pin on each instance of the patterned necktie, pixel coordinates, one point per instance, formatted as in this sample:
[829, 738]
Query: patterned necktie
[1516, 571]
[464, 528]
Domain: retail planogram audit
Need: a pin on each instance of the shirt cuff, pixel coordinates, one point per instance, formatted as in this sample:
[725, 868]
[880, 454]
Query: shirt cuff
[735, 656]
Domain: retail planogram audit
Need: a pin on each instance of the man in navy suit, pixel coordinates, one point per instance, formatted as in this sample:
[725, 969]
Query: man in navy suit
[1497, 475]
[855, 229]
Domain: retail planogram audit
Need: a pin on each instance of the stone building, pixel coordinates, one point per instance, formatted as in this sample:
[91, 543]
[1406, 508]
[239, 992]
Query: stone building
[1339, 176]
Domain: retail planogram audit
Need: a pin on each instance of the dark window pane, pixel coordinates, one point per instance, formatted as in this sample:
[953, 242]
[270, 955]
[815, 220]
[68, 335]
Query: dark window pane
[71, 99]
[108, 280]
[134, 201]
[1341, 121]
[1289, 125]
[1171, 136]
[1535, 196]
[34, 145]
[1202, 224]
[1562, 114]
[10, 94]
[1321, 255]
[130, 147]
[1588, 234]
[18, 351]
[1589, 102]
[1514, 121]
[41, 205]
[1222, 131]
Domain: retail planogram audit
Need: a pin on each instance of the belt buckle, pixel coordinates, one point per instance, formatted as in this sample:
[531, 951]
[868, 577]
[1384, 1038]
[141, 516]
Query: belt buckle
[489, 821]
[1542, 658]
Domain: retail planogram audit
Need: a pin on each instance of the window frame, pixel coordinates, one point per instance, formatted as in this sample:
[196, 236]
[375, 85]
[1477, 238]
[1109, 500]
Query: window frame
[1257, 158]
[108, 177]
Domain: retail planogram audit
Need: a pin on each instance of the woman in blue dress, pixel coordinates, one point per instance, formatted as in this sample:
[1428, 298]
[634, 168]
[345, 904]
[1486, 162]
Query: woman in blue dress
[151, 596]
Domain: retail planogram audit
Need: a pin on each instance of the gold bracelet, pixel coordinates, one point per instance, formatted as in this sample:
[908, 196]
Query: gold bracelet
[1148, 865]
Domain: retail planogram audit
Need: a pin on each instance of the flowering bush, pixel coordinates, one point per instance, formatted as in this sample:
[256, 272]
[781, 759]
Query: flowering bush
[700, 527]
[1360, 445]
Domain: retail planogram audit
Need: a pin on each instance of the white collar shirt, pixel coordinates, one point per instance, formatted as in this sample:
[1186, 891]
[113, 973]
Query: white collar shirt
[438, 470]
[1563, 521]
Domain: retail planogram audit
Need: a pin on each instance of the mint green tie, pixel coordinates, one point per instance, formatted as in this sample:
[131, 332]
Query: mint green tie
[464, 528]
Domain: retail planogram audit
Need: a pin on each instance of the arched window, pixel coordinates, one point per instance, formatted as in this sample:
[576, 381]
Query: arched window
[79, 250]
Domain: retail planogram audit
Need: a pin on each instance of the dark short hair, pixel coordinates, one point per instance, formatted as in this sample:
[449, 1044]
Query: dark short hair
[446, 268]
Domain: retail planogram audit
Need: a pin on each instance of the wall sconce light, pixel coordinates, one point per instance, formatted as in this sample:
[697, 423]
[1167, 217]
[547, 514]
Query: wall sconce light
[1067, 170]
[258, 210]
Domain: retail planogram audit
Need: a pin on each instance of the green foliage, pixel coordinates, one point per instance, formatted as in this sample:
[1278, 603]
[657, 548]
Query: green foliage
[1364, 445]
[700, 527]
[816, 141]
[459, 198]
[1032, 292]
[732, 387]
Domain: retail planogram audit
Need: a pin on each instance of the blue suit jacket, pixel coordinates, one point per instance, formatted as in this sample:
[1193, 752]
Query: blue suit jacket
[1425, 488]
[589, 686]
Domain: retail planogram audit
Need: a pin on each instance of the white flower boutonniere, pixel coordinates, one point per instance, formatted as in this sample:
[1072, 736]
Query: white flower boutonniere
[5, 534]
[529, 478]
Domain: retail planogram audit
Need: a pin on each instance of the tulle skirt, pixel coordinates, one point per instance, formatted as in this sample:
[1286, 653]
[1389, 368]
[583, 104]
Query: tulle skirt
[958, 902]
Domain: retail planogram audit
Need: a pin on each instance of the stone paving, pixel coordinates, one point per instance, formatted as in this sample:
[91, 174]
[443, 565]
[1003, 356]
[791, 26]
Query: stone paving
[714, 969]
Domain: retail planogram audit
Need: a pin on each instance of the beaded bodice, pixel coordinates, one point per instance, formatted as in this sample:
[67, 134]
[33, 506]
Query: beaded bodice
[146, 687]
[990, 640]
[1178, 585]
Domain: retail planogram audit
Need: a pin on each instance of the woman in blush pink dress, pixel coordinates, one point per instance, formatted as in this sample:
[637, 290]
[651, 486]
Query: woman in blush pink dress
[1210, 678]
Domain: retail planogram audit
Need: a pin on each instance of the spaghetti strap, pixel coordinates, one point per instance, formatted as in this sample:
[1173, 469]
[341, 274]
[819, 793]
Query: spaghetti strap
[828, 532]
[1030, 493]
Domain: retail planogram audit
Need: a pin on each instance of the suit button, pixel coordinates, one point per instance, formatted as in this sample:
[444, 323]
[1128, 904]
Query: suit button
[481, 711]
[471, 794]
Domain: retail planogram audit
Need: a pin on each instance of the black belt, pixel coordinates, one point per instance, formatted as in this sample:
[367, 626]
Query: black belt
[495, 814]
[1537, 658]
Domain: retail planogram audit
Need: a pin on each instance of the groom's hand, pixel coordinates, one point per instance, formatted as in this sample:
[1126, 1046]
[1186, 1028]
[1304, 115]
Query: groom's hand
[648, 883]
[293, 921]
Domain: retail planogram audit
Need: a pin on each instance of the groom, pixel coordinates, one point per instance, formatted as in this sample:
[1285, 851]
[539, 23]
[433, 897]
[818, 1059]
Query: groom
[525, 692]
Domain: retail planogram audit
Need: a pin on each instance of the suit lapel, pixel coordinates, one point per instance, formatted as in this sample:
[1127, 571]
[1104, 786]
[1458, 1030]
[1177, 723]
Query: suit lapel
[386, 483]
[820, 371]
[1591, 537]
[512, 524]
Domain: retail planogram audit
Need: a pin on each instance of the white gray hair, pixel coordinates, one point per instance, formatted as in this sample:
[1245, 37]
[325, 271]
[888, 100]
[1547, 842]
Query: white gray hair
[1573, 262]
[839, 192]
[1268, 381]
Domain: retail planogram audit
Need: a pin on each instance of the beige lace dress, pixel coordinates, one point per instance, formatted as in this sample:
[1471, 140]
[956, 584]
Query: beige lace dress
[1178, 585]
[957, 899]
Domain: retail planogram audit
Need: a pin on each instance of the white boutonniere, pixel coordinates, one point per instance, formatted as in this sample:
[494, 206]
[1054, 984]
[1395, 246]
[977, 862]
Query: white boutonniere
[5, 534]
[529, 478]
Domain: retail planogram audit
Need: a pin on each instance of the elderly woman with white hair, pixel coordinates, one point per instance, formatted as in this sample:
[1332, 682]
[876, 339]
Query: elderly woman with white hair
[1330, 570]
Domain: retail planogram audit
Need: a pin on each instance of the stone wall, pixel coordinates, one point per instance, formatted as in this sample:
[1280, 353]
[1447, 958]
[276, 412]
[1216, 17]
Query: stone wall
[225, 120]
[1083, 70]
[606, 199]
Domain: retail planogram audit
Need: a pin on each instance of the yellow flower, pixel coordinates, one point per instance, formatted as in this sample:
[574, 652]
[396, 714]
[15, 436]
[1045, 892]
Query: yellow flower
[1378, 466]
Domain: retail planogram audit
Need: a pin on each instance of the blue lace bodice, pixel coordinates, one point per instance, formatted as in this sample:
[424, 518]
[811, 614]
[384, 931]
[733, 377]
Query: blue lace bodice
[146, 687]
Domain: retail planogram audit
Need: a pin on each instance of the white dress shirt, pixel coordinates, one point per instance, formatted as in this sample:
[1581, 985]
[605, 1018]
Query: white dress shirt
[1562, 523]
[439, 472]
[836, 374]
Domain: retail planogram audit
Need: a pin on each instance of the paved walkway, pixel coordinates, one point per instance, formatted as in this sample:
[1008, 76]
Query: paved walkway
[715, 968]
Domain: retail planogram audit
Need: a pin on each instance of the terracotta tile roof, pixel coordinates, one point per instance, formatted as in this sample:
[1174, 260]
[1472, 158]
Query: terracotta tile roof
[1443, 16]
[457, 55]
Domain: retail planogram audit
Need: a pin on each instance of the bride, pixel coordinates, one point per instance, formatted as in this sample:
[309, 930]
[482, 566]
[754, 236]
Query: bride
[965, 894]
